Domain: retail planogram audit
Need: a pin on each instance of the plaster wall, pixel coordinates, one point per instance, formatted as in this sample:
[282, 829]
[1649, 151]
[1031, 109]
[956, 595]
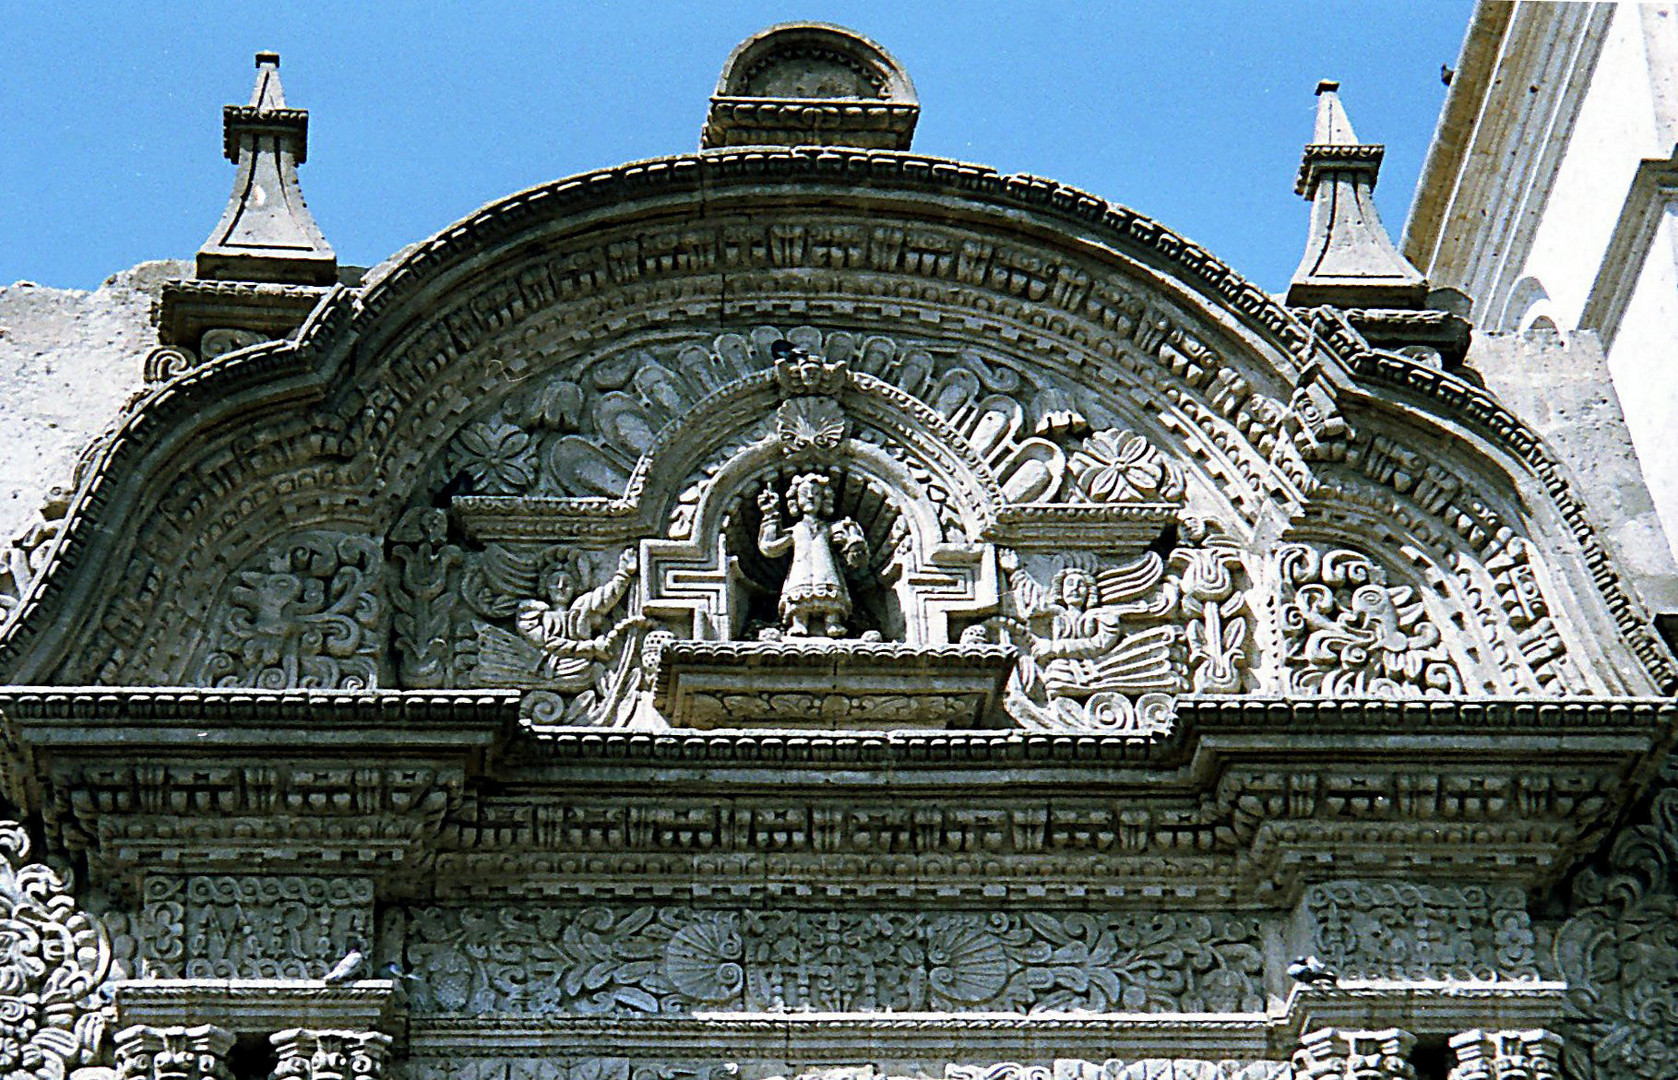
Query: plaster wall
[1645, 370]
[1615, 131]
[69, 359]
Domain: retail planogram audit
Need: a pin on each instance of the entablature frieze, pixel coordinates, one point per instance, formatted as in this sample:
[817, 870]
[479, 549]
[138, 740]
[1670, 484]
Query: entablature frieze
[442, 793]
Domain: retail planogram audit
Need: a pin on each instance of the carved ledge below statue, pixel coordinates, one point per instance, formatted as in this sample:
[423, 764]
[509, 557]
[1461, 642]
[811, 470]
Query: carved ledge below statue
[828, 684]
[1424, 1007]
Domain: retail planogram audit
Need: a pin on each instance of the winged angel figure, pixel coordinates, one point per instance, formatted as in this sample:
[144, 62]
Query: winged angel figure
[1089, 656]
[565, 641]
[1078, 646]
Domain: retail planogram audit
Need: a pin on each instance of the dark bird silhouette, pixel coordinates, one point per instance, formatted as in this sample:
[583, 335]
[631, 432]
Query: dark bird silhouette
[1446, 74]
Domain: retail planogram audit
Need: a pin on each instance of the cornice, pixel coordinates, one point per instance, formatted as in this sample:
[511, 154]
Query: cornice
[1653, 191]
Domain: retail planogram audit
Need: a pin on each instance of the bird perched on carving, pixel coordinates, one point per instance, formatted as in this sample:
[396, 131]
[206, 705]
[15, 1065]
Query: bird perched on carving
[1312, 972]
[347, 968]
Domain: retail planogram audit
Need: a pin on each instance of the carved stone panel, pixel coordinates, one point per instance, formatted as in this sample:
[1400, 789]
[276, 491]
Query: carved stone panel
[307, 613]
[1618, 951]
[255, 926]
[1349, 633]
[533, 959]
[1398, 930]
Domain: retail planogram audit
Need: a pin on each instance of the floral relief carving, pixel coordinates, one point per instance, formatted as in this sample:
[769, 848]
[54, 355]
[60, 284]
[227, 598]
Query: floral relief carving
[1114, 1069]
[54, 958]
[548, 1067]
[1349, 633]
[1618, 951]
[1116, 465]
[543, 960]
[308, 613]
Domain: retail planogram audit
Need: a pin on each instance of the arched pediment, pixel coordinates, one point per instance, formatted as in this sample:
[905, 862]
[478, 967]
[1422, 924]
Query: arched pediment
[565, 378]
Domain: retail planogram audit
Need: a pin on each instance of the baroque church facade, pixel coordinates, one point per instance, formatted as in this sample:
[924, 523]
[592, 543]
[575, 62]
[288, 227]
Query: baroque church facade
[805, 608]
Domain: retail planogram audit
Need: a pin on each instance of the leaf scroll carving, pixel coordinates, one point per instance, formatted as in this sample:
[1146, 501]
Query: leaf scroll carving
[671, 960]
[1619, 952]
[307, 613]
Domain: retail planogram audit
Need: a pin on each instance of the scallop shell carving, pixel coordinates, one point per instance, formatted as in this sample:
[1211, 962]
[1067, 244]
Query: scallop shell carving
[967, 961]
[702, 959]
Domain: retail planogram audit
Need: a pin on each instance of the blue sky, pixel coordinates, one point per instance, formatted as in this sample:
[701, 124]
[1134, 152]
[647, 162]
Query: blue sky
[1193, 112]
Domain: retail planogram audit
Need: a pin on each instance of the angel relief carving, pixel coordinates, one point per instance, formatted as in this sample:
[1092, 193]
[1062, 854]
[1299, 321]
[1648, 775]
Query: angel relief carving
[1107, 645]
[572, 647]
[564, 625]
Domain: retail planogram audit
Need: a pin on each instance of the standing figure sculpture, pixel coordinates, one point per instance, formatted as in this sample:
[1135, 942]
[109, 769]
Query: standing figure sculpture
[814, 592]
[565, 624]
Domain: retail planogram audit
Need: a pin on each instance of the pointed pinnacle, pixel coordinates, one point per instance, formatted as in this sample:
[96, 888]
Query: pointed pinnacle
[268, 94]
[1334, 128]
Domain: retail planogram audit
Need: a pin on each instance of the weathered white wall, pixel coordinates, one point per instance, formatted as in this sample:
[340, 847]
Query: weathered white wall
[69, 359]
[1615, 131]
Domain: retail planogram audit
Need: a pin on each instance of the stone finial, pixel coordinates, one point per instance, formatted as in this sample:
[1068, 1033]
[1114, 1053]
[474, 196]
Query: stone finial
[267, 233]
[1350, 261]
[811, 84]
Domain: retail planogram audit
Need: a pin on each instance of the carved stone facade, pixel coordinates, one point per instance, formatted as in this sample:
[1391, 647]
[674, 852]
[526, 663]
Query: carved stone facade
[804, 609]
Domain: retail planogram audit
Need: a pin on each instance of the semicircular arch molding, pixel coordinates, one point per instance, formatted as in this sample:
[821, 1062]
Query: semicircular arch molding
[1245, 401]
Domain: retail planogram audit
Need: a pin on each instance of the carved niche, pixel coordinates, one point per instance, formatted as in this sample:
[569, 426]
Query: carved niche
[818, 529]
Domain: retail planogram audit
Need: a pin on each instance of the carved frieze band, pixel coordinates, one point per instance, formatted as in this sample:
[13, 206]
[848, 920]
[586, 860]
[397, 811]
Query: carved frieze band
[531, 959]
[1398, 930]
[620, 1068]
[255, 926]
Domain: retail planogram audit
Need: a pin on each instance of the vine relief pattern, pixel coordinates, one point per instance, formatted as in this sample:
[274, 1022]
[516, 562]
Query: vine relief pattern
[1619, 951]
[663, 960]
[582, 432]
[1114, 1069]
[254, 927]
[307, 613]
[54, 960]
[1396, 930]
[1348, 633]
